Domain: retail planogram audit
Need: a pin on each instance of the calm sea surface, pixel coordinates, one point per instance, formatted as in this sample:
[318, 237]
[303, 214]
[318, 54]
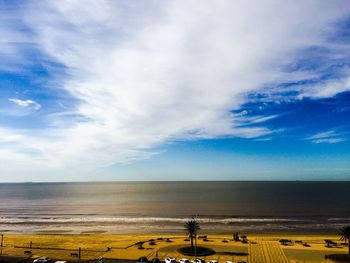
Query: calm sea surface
[221, 207]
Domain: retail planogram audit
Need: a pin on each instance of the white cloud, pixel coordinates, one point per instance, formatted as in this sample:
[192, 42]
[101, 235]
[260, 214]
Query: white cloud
[146, 75]
[326, 89]
[328, 140]
[322, 135]
[26, 103]
[326, 137]
[255, 119]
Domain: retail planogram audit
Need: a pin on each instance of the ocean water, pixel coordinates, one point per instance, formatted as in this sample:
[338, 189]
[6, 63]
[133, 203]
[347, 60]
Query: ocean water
[140, 207]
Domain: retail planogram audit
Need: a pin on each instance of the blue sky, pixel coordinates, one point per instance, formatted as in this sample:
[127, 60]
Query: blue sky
[185, 90]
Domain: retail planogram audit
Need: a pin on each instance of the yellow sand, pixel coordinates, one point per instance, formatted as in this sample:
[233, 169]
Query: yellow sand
[93, 246]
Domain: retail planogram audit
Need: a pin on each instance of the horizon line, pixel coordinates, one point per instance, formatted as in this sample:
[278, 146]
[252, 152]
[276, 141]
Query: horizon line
[170, 181]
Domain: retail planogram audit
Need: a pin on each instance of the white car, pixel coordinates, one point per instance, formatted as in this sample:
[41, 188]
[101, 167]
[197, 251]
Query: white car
[42, 260]
[184, 260]
[213, 261]
[198, 260]
[170, 260]
[228, 261]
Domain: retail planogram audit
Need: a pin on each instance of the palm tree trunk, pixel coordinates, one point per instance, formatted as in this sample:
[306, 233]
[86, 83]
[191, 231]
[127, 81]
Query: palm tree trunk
[191, 237]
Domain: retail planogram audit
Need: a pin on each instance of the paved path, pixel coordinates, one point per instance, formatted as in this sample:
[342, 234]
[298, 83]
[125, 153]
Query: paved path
[266, 252]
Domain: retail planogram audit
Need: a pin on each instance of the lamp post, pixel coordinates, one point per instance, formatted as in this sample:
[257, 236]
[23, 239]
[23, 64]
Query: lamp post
[2, 240]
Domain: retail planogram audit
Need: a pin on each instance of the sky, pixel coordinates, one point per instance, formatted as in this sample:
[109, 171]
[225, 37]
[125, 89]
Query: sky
[174, 90]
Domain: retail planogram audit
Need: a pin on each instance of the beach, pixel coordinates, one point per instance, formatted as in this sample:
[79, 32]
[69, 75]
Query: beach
[260, 248]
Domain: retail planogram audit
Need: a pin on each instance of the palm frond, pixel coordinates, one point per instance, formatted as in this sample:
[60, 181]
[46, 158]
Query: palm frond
[192, 227]
[345, 233]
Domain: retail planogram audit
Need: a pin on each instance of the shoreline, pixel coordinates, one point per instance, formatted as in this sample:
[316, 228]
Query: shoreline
[17, 223]
[174, 231]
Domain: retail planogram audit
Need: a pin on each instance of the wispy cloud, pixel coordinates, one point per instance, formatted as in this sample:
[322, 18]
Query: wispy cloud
[26, 103]
[251, 120]
[326, 137]
[328, 88]
[328, 140]
[322, 135]
[143, 78]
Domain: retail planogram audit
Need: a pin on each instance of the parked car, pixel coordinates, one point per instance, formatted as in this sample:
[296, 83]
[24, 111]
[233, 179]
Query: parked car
[142, 260]
[228, 261]
[184, 260]
[156, 260]
[198, 260]
[60, 261]
[213, 261]
[42, 260]
[170, 260]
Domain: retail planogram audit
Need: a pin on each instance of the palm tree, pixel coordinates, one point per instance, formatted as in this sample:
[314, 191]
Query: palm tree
[192, 227]
[345, 235]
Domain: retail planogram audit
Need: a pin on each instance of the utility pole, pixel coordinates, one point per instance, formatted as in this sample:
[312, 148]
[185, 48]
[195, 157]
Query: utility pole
[2, 240]
[79, 254]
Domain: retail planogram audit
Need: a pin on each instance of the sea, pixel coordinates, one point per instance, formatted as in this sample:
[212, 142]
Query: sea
[164, 207]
